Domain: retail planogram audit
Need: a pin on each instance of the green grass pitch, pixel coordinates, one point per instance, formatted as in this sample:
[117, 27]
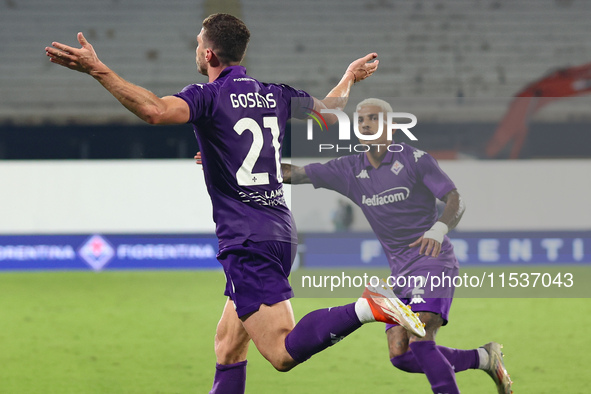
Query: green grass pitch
[152, 332]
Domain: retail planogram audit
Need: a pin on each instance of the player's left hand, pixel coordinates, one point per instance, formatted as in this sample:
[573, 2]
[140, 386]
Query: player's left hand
[82, 59]
[429, 246]
[364, 67]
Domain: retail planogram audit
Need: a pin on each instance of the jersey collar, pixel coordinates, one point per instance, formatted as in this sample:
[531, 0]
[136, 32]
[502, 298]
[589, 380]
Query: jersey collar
[386, 160]
[232, 70]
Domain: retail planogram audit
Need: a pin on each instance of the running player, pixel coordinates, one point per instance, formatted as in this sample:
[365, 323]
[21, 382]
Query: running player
[239, 123]
[403, 216]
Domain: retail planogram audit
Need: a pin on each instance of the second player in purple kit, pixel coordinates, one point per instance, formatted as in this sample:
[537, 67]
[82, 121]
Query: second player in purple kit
[396, 187]
[240, 123]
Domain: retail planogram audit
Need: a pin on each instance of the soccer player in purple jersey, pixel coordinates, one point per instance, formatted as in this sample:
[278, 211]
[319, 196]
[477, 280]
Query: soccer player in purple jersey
[239, 123]
[396, 186]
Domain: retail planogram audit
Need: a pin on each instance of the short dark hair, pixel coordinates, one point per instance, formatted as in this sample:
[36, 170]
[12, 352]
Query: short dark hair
[228, 37]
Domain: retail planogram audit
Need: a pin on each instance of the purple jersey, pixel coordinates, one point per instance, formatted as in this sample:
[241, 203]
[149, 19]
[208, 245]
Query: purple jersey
[398, 198]
[239, 123]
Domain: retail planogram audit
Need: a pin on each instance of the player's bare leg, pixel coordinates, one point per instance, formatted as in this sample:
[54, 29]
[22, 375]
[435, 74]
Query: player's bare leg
[231, 339]
[285, 344]
[268, 328]
[231, 348]
[399, 338]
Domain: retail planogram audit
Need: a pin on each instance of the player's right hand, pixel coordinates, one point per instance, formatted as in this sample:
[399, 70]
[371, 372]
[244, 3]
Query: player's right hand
[197, 158]
[82, 59]
[428, 246]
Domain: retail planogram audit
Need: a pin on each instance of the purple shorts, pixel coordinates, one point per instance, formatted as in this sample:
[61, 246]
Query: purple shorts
[257, 273]
[425, 298]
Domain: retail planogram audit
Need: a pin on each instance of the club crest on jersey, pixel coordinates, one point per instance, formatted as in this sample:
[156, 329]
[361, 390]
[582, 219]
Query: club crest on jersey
[362, 175]
[397, 167]
[418, 154]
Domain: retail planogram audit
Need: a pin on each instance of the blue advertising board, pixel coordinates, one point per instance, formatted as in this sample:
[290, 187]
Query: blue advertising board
[108, 252]
[471, 248]
[318, 250]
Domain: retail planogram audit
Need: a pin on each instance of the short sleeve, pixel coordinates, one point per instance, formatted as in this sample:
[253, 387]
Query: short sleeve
[195, 96]
[432, 175]
[331, 175]
[299, 102]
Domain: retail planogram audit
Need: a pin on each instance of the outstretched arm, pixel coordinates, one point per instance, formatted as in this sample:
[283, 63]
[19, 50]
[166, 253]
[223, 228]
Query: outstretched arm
[431, 241]
[337, 98]
[294, 175]
[143, 103]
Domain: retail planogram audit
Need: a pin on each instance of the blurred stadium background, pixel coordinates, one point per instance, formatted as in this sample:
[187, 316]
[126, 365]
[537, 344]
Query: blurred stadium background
[428, 49]
[85, 186]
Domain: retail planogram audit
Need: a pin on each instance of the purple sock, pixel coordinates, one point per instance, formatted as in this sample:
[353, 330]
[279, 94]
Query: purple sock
[438, 370]
[460, 360]
[407, 362]
[229, 379]
[319, 330]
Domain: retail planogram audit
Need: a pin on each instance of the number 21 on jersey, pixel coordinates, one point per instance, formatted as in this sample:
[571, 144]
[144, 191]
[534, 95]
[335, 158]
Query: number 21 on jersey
[244, 175]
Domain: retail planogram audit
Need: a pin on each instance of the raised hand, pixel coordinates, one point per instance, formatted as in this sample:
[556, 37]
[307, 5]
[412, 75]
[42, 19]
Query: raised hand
[363, 67]
[82, 59]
